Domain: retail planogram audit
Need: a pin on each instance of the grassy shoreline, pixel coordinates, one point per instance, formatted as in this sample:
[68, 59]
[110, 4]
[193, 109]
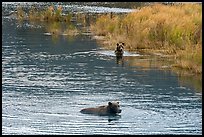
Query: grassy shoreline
[169, 29]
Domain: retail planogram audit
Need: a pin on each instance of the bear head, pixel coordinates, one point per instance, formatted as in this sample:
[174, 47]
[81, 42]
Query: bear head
[113, 107]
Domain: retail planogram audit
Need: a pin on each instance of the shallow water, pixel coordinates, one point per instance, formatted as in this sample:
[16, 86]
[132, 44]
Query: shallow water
[46, 83]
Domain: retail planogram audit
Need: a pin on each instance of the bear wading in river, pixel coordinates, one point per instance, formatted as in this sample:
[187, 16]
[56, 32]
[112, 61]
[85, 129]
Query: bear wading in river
[119, 49]
[112, 108]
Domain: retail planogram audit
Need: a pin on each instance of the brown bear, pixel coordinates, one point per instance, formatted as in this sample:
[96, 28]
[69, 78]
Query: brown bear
[112, 108]
[119, 49]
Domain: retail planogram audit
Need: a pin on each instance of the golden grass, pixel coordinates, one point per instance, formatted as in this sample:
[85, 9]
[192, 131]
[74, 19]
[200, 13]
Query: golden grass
[48, 14]
[176, 29]
[53, 19]
[190, 58]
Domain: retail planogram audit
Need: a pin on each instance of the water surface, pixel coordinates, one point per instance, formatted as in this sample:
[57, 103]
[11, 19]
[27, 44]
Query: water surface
[46, 83]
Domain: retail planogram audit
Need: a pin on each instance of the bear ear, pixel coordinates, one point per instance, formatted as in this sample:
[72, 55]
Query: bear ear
[117, 44]
[118, 102]
[109, 103]
[123, 44]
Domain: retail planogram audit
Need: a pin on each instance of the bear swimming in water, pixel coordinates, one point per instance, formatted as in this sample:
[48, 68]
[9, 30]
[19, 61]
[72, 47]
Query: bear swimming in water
[112, 108]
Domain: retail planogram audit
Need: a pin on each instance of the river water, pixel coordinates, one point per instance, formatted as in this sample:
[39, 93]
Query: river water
[46, 82]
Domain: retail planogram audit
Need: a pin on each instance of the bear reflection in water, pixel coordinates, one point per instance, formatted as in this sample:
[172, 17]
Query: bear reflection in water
[113, 108]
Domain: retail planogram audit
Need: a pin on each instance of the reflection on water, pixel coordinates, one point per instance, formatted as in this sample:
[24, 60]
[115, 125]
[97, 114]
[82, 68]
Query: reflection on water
[190, 80]
[46, 83]
[119, 60]
[185, 77]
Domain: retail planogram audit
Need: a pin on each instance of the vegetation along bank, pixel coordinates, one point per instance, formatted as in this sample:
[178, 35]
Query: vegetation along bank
[168, 29]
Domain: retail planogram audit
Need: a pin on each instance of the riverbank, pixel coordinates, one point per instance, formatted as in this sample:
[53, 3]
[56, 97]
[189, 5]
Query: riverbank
[174, 30]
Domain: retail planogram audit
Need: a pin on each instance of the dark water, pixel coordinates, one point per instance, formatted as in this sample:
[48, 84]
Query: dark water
[46, 82]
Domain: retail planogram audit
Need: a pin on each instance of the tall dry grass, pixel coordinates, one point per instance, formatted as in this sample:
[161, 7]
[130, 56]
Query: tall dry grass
[175, 29]
[55, 22]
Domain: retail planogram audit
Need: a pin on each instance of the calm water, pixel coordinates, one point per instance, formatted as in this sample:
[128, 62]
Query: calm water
[46, 82]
